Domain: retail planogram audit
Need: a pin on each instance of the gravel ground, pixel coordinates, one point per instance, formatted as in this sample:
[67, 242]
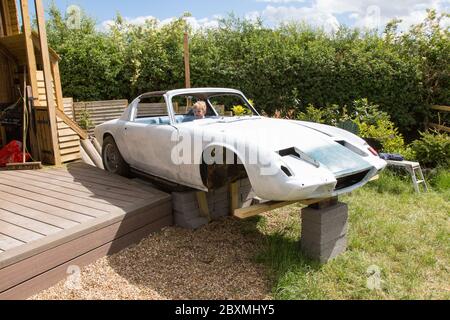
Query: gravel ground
[214, 262]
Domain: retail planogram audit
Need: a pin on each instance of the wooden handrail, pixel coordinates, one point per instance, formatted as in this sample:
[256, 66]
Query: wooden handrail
[441, 108]
[439, 127]
[72, 124]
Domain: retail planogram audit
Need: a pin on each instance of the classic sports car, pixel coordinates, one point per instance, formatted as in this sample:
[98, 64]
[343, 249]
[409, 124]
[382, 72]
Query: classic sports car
[160, 136]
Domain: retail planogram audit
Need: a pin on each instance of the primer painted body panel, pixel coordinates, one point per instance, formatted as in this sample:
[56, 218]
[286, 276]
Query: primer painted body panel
[337, 153]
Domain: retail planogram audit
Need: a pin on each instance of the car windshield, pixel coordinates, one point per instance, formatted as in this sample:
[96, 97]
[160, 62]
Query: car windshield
[189, 108]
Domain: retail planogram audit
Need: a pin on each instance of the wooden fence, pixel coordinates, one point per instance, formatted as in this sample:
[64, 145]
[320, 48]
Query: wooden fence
[440, 126]
[98, 112]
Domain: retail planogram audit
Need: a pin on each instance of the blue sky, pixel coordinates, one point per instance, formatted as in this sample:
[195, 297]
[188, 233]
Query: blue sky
[323, 13]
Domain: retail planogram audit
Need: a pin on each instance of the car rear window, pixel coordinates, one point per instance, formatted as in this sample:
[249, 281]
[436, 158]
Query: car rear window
[151, 107]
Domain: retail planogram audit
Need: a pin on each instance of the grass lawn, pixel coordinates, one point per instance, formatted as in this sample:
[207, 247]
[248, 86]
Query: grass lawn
[392, 229]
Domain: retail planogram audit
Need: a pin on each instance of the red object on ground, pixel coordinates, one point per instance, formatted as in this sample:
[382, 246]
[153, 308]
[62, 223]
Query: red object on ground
[12, 153]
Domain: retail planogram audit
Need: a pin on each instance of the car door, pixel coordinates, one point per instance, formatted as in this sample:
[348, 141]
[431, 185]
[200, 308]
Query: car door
[150, 138]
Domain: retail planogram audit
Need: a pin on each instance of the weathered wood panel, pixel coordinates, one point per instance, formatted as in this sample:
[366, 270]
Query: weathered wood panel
[6, 80]
[99, 111]
[9, 19]
[68, 107]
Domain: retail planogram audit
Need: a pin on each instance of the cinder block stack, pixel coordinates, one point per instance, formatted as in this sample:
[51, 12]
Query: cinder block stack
[324, 231]
[187, 212]
[246, 194]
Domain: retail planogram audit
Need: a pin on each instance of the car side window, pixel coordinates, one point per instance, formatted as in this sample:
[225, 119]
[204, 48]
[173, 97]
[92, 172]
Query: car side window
[183, 108]
[152, 110]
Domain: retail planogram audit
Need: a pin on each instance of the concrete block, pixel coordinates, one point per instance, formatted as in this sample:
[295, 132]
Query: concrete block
[324, 231]
[189, 223]
[183, 196]
[325, 252]
[187, 212]
[326, 215]
[336, 226]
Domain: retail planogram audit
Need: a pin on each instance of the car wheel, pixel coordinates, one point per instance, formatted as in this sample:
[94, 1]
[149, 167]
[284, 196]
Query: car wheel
[112, 159]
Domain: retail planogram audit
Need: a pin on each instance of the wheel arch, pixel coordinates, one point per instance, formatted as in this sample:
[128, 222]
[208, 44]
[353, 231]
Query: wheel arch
[237, 159]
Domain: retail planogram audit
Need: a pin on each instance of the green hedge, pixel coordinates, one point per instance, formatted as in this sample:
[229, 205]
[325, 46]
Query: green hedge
[285, 68]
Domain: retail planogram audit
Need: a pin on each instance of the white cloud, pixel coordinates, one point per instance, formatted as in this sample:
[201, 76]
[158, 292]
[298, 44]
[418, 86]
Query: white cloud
[195, 23]
[322, 13]
[360, 13]
[310, 15]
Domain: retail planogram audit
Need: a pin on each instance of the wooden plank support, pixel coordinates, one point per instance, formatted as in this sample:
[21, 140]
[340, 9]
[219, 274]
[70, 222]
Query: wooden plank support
[72, 124]
[187, 66]
[2, 136]
[31, 63]
[48, 81]
[203, 204]
[254, 210]
[258, 209]
[234, 197]
[57, 82]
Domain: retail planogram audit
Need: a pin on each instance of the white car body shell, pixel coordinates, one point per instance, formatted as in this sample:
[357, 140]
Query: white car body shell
[332, 161]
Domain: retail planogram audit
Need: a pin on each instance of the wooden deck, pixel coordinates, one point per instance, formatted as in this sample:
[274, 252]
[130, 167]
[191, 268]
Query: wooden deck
[55, 218]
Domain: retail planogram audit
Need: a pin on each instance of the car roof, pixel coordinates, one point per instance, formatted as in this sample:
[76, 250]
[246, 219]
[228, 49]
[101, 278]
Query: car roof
[204, 92]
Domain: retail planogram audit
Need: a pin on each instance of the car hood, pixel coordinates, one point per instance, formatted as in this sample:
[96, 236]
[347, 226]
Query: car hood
[275, 135]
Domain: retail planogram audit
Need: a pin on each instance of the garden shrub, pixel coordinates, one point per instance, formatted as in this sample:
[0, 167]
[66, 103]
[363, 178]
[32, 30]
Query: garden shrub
[441, 180]
[433, 149]
[369, 122]
[285, 68]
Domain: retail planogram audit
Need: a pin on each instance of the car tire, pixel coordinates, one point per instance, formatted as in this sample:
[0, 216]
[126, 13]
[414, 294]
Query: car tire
[112, 159]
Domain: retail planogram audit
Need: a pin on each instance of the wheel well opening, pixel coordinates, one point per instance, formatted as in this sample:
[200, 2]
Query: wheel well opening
[220, 173]
[106, 135]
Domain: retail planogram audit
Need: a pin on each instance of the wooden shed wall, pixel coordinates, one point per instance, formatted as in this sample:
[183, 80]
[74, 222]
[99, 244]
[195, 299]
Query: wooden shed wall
[9, 19]
[68, 139]
[6, 80]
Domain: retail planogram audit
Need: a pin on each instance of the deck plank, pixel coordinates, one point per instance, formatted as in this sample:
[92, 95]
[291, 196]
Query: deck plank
[53, 195]
[59, 203]
[103, 177]
[27, 223]
[44, 217]
[8, 243]
[80, 169]
[33, 204]
[92, 181]
[18, 233]
[88, 190]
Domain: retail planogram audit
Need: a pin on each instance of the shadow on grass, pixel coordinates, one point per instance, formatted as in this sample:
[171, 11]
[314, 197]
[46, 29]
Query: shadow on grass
[282, 255]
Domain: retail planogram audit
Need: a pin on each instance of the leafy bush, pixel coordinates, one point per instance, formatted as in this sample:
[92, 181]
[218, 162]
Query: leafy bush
[84, 120]
[329, 115]
[433, 149]
[387, 134]
[441, 180]
[364, 119]
[241, 111]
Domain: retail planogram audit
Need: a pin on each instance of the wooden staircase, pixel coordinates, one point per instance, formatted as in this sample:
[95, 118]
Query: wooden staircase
[69, 133]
